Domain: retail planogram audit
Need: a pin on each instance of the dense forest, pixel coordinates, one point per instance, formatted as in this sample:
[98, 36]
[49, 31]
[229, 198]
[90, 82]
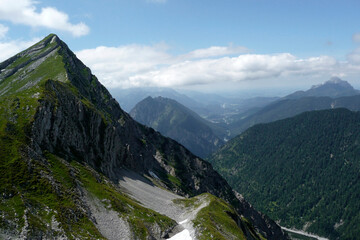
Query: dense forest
[303, 171]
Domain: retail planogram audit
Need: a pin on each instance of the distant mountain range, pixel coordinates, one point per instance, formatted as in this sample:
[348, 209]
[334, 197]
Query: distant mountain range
[213, 107]
[128, 98]
[302, 171]
[334, 93]
[232, 115]
[176, 121]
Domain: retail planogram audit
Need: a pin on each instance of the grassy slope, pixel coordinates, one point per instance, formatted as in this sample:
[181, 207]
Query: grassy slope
[34, 192]
[40, 193]
[217, 220]
[46, 190]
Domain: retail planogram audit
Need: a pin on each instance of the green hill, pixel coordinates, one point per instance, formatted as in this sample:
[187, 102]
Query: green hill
[176, 121]
[303, 171]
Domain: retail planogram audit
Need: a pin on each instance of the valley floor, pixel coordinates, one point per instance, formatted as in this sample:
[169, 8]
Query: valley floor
[305, 234]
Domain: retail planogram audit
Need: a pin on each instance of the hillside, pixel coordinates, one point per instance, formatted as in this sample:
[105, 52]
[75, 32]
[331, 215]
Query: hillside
[303, 171]
[176, 121]
[66, 149]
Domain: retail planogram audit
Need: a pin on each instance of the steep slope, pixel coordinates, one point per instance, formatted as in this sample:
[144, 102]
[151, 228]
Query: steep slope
[302, 171]
[290, 107]
[176, 121]
[64, 143]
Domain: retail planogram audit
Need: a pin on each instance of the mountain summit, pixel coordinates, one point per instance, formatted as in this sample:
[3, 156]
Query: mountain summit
[70, 158]
[335, 87]
[335, 81]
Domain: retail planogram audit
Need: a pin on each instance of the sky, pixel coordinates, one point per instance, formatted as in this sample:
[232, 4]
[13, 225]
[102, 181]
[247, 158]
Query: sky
[209, 45]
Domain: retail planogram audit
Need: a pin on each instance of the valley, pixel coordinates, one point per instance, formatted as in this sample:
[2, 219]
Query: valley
[179, 120]
[233, 159]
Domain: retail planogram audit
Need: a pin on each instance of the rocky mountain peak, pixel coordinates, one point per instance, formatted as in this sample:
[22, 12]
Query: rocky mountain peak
[334, 81]
[29, 67]
[54, 109]
[334, 87]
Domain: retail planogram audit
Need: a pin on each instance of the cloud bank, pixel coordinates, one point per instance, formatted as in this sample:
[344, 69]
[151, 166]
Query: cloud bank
[137, 65]
[25, 12]
[10, 48]
[3, 31]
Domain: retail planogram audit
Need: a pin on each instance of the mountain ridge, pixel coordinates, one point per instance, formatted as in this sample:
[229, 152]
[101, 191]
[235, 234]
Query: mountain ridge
[334, 87]
[302, 101]
[63, 135]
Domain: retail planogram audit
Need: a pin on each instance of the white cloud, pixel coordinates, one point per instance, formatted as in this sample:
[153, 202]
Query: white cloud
[354, 57]
[9, 49]
[3, 31]
[135, 65]
[25, 12]
[231, 70]
[215, 51]
[113, 64]
[356, 37]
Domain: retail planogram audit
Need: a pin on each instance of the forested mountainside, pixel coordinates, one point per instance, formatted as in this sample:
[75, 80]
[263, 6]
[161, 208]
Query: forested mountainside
[302, 171]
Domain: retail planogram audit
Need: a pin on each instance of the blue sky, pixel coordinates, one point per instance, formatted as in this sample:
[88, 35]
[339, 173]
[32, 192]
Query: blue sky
[196, 44]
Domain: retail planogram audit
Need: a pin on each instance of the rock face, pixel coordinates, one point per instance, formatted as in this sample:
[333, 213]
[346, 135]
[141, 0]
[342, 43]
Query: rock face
[54, 108]
[176, 121]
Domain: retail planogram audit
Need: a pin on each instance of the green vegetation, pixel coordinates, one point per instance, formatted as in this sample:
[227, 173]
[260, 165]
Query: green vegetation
[47, 148]
[28, 193]
[40, 194]
[217, 219]
[303, 171]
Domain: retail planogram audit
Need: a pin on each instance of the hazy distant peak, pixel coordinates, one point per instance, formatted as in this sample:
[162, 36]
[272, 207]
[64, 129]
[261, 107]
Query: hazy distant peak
[334, 87]
[334, 81]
